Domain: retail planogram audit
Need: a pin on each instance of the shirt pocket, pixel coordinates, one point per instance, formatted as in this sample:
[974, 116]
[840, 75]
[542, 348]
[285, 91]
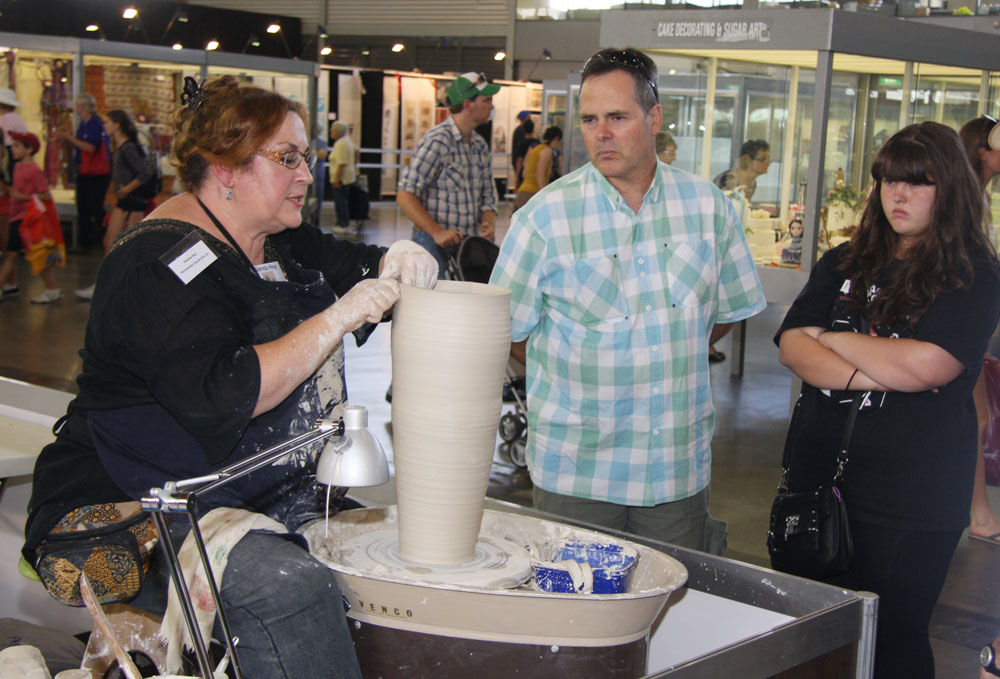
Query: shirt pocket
[690, 266]
[457, 176]
[594, 291]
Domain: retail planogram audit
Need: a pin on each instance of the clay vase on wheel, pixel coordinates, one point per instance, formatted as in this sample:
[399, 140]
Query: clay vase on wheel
[449, 351]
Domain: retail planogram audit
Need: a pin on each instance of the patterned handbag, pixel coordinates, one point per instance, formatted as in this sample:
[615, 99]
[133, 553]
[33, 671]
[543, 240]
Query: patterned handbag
[110, 542]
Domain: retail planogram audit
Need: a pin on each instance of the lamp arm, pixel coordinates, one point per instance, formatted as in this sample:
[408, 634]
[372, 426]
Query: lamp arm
[170, 498]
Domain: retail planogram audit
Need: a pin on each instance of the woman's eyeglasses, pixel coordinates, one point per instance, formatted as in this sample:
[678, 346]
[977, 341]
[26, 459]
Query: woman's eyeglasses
[630, 60]
[289, 159]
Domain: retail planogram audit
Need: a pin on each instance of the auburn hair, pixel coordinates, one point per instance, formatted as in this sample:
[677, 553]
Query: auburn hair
[227, 127]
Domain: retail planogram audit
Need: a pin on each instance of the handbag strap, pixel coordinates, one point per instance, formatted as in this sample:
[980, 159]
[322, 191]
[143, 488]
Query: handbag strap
[845, 441]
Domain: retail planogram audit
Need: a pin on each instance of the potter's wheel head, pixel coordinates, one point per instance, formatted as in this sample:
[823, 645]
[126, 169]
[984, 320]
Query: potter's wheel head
[496, 563]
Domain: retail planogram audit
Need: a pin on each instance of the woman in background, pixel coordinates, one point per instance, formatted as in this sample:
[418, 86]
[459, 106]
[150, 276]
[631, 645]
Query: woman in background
[538, 166]
[903, 313]
[985, 161]
[130, 169]
[666, 148]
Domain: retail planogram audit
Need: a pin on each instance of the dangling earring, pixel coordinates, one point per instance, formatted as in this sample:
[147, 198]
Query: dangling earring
[229, 194]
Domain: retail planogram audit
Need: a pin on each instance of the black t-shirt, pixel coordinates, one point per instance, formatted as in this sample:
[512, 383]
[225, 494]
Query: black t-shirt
[180, 357]
[913, 455]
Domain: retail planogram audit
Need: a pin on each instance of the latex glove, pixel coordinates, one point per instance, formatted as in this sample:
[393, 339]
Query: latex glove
[366, 302]
[411, 264]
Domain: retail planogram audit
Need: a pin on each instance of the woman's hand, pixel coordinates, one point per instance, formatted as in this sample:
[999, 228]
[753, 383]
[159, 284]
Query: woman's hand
[289, 360]
[410, 264]
[366, 302]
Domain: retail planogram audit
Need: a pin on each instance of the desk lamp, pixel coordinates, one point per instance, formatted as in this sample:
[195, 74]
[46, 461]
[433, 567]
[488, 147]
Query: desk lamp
[352, 457]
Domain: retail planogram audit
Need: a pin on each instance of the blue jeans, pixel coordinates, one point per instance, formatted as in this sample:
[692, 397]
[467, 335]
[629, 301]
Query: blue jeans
[343, 206]
[427, 243]
[283, 604]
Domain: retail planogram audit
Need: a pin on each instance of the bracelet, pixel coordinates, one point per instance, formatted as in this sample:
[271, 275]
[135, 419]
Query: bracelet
[851, 379]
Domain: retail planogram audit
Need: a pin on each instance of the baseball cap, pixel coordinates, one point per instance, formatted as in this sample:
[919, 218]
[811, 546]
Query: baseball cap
[469, 85]
[523, 114]
[28, 139]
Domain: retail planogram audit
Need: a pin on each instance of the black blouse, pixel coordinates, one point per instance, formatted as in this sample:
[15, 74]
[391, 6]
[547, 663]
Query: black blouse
[913, 455]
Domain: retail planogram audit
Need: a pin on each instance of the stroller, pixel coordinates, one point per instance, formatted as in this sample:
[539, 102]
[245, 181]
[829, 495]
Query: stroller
[473, 262]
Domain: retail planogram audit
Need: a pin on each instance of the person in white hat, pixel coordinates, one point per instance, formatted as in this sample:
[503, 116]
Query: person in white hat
[10, 121]
[447, 190]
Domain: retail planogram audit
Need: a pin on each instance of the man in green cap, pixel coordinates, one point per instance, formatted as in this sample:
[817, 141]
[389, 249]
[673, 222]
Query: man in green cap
[447, 190]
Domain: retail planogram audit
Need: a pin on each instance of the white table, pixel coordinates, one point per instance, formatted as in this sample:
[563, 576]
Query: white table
[27, 413]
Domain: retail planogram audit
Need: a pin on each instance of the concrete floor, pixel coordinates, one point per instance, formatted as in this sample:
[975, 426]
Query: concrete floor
[40, 343]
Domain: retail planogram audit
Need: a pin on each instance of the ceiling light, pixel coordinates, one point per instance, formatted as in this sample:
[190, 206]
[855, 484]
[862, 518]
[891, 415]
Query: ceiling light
[273, 28]
[177, 46]
[365, 52]
[398, 47]
[92, 27]
[500, 56]
[130, 13]
[212, 45]
[326, 50]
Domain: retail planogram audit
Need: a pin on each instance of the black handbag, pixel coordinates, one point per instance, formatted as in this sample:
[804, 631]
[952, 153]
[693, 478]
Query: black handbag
[809, 534]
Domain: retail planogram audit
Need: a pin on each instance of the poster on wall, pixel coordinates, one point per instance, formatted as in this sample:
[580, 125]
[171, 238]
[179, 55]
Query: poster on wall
[349, 91]
[417, 112]
[534, 97]
[390, 132]
[323, 106]
[504, 120]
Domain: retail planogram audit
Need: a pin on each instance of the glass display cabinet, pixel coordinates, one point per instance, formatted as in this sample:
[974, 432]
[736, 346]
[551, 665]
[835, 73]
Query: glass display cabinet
[46, 73]
[824, 88]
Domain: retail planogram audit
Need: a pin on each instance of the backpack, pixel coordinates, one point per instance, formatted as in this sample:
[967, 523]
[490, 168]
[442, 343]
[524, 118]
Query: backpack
[152, 187]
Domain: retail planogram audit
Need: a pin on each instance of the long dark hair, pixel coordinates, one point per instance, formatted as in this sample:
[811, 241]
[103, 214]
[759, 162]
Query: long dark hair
[941, 258]
[125, 124]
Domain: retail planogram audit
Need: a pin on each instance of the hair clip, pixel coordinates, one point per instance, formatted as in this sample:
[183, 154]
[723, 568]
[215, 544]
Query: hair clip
[193, 95]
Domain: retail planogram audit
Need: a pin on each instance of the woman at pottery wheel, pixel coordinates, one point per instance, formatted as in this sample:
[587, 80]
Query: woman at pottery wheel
[215, 332]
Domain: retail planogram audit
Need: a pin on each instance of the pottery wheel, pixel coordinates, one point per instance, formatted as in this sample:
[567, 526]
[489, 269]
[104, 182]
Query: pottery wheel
[497, 563]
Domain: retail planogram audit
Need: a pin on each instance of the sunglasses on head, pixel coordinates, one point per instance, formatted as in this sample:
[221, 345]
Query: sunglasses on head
[630, 60]
[481, 80]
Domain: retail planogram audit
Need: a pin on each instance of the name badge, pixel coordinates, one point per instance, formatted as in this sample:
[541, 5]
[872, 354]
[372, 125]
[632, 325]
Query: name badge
[270, 271]
[189, 258]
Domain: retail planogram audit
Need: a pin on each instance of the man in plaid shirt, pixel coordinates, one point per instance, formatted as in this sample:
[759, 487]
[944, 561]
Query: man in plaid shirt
[447, 190]
[622, 273]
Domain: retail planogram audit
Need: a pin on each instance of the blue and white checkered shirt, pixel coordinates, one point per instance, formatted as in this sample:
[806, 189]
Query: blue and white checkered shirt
[617, 308]
[452, 179]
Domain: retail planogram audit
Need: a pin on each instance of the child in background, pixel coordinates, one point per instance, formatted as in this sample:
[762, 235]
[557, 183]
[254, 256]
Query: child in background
[28, 181]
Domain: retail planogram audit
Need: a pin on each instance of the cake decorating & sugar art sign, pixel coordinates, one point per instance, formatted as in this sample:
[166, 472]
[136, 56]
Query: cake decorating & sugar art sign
[719, 31]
